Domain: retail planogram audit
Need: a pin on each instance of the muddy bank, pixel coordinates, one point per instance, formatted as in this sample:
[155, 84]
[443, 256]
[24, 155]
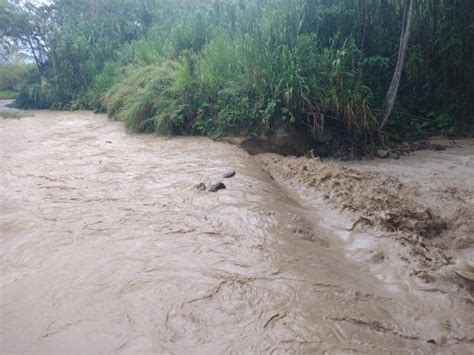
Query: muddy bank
[439, 180]
[282, 143]
[106, 246]
[422, 207]
[5, 105]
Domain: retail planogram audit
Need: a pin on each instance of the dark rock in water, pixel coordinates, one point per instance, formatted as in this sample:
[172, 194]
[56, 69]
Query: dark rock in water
[383, 154]
[200, 187]
[229, 175]
[420, 145]
[395, 156]
[217, 187]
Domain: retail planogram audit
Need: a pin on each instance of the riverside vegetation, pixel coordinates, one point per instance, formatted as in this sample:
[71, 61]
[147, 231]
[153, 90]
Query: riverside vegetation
[321, 67]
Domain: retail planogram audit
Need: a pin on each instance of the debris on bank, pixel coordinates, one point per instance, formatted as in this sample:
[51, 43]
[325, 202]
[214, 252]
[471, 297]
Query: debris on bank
[380, 199]
[435, 243]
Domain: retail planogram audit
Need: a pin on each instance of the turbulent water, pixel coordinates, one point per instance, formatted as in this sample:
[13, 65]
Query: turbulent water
[106, 246]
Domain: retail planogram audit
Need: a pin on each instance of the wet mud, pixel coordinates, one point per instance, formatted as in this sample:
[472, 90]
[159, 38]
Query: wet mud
[108, 247]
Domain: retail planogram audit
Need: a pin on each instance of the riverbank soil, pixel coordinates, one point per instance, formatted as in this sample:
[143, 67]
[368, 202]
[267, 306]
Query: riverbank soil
[107, 246]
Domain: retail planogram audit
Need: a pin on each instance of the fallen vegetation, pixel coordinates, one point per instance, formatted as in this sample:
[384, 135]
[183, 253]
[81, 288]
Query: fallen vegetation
[382, 200]
[426, 237]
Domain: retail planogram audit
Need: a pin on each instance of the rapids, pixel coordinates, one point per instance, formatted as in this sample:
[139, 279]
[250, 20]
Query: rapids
[106, 246]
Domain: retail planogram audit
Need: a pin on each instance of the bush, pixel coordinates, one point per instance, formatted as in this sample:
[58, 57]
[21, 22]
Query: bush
[145, 101]
[7, 95]
[34, 91]
[11, 75]
[103, 82]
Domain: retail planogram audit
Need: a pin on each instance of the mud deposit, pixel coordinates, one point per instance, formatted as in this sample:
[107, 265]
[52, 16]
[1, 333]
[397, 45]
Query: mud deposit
[106, 246]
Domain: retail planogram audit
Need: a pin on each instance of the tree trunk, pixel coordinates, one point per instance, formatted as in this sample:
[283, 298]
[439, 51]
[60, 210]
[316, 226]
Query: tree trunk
[33, 51]
[393, 89]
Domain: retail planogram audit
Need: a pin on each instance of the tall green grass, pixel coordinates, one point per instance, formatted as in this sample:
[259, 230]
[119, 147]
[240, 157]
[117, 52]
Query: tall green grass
[144, 99]
[246, 70]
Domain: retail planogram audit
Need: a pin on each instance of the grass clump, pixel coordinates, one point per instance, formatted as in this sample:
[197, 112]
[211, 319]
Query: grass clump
[7, 95]
[145, 99]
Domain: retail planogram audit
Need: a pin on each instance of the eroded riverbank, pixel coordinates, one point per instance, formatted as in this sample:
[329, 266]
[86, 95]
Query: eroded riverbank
[107, 247]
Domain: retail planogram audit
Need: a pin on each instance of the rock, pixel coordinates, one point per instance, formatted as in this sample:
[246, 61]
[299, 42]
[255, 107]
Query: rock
[419, 145]
[383, 154]
[229, 175]
[395, 156]
[200, 187]
[217, 187]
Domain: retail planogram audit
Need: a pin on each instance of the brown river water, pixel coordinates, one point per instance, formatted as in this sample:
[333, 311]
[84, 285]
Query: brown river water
[107, 247]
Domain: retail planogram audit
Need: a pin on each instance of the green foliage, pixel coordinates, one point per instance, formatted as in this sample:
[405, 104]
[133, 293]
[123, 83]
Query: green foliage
[7, 95]
[144, 99]
[109, 75]
[190, 33]
[222, 67]
[24, 25]
[34, 91]
[11, 76]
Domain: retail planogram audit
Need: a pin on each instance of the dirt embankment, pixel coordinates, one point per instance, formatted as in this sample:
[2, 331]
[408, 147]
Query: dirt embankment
[423, 205]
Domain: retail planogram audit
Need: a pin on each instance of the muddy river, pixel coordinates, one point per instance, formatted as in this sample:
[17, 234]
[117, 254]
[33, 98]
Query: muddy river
[107, 247]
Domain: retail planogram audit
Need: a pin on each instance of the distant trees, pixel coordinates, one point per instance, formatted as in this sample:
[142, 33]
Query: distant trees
[10, 77]
[25, 25]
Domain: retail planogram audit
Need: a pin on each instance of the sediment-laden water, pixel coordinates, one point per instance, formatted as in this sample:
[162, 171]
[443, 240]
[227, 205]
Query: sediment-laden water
[106, 246]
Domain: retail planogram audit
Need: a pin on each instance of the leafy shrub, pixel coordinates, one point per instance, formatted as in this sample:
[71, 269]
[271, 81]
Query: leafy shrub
[11, 76]
[103, 82]
[34, 91]
[144, 99]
